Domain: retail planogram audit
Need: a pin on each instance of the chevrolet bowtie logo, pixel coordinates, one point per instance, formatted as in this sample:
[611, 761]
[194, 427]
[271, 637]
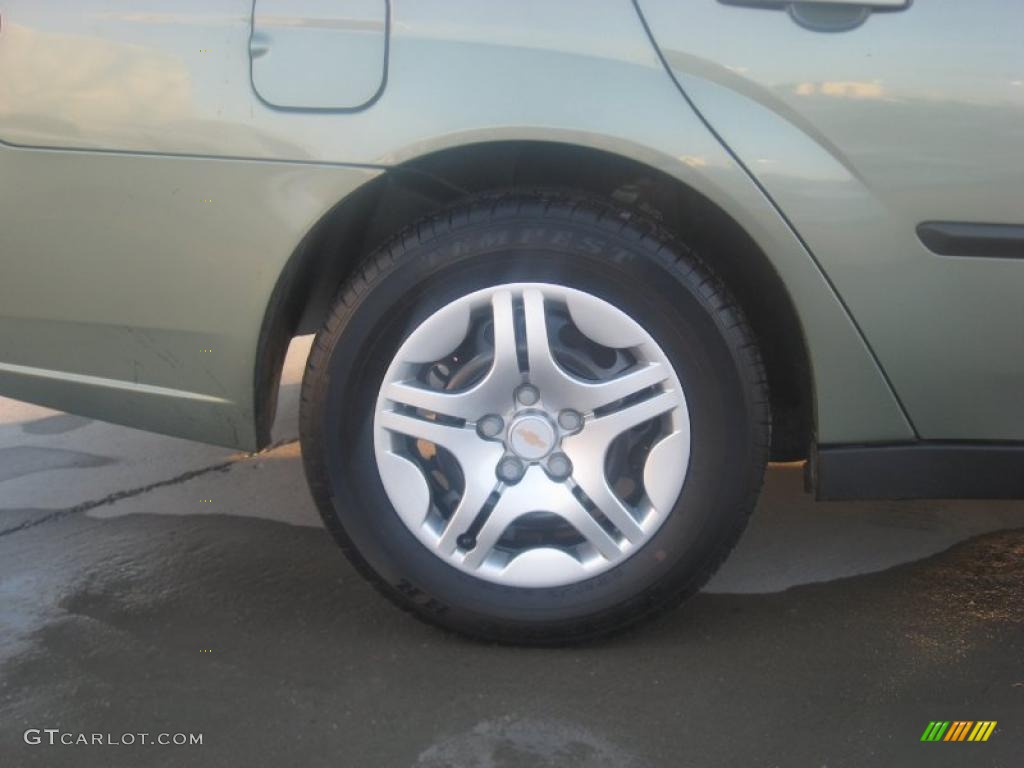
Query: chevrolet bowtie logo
[532, 438]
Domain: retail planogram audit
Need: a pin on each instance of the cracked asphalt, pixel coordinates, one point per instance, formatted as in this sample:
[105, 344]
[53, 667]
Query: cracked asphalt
[153, 585]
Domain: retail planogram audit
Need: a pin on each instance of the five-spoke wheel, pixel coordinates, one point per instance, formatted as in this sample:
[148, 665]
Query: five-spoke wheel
[531, 434]
[534, 419]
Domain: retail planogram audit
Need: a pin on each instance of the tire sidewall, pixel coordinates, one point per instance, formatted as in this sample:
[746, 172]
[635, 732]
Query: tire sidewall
[670, 296]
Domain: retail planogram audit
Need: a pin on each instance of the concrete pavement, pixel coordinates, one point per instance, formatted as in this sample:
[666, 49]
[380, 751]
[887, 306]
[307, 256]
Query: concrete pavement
[152, 584]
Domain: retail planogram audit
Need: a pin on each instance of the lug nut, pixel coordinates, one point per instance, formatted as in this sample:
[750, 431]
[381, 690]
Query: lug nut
[570, 420]
[559, 466]
[528, 395]
[510, 470]
[490, 426]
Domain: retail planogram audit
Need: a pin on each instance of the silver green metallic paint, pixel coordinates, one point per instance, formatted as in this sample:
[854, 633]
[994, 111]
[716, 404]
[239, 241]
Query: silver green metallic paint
[150, 198]
[859, 137]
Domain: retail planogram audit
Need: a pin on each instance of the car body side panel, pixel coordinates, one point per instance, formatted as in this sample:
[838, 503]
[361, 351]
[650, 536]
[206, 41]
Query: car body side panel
[859, 137]
[151, 268]
[133, 286]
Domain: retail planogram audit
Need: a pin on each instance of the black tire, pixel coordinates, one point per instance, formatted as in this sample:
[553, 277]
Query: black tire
[609, 252]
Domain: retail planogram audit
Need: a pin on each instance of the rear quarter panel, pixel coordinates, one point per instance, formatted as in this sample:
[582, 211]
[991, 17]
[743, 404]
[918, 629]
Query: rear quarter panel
[859, 137]
[132, 245]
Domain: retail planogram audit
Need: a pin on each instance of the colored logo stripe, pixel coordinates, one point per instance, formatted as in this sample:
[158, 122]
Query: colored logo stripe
[958, 730]
[982, 731]
[935, 730]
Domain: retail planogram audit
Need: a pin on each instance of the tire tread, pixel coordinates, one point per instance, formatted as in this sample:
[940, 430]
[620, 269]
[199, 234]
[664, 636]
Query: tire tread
[687, 267]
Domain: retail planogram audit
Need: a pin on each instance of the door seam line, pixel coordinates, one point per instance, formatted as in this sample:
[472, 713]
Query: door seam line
[828, 280]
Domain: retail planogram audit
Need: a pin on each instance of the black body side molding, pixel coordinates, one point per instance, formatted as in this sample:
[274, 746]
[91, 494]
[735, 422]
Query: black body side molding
[950, 238]
[923, 470]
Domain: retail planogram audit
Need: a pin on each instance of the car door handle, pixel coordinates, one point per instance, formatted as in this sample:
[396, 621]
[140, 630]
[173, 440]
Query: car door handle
[825, 15]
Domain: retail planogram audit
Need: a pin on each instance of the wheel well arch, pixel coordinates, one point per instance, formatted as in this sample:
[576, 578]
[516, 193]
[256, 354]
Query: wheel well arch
[404, 194]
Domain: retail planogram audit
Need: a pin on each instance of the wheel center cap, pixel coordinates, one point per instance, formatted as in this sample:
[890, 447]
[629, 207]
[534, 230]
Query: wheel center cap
[532, 437]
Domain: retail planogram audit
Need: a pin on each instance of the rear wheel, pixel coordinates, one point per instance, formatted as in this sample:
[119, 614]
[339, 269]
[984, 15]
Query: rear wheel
[535, 419]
